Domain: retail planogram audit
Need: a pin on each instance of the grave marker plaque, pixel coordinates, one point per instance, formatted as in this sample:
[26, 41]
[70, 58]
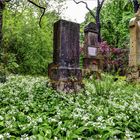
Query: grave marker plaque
[64, 71]
[92, 51]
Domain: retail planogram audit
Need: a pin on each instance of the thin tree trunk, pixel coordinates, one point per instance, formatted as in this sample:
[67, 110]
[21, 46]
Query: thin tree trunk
[98, 25]
[136, 5]
[97, 16]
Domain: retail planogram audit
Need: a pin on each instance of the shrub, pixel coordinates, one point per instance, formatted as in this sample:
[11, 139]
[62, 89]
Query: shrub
[115, 59]
[27, 47]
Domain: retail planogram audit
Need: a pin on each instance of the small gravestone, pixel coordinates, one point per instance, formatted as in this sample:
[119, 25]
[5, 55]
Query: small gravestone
[64, 72]
[92, 60]
[134, 55]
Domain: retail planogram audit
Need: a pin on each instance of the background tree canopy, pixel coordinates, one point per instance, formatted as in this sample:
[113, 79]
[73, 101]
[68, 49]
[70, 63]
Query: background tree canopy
[115, 17]
[27, 48]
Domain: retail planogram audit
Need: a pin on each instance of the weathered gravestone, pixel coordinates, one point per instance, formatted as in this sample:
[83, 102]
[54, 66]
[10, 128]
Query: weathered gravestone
[92, 60]
[64, 72]
[134, 56]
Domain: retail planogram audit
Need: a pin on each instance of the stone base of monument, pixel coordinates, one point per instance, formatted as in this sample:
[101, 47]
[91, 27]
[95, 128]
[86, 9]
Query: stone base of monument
[65, 79]
[133, 74]
[91, 74]
[64, 74]
[67, 86]
[92, 66]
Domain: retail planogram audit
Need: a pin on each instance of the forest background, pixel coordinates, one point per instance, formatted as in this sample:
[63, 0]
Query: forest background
[28, 49]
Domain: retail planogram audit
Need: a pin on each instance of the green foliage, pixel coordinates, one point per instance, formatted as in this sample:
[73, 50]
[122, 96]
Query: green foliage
[115, 17]
[103, 87]
[27, 48]
[30, 109]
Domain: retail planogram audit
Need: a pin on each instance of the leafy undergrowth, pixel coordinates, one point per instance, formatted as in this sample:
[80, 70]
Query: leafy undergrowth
[30, 110]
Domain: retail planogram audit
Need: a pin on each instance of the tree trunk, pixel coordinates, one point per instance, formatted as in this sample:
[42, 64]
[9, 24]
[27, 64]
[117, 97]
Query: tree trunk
[98, 25]
[1, 14]
[136, 5]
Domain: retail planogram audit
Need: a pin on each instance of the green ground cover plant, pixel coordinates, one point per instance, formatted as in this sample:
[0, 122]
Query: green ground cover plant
[31, 110]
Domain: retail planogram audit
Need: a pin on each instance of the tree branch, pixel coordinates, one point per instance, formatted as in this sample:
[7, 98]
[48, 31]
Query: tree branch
[101, 4]
[41, 7]
[98, 2]
[136, 5]
[91, 12]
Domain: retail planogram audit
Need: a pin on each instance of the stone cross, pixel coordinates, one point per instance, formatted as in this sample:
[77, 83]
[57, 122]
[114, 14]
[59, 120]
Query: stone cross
[92, 59]
[134, 55]
[64, 72]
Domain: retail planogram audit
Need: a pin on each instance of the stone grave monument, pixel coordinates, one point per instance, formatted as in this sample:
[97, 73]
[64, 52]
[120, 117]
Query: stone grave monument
[134, 55]
[64, 72]
[92, 61]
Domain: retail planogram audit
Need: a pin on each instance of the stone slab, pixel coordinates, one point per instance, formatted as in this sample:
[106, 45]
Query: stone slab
[66, 43]
[64, 72]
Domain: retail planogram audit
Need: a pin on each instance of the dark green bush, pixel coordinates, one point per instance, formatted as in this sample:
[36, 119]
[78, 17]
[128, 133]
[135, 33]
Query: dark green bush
[27, 48]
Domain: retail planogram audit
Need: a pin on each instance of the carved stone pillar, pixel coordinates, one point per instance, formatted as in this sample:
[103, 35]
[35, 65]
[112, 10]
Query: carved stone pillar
[92, 60]
[134, 55]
